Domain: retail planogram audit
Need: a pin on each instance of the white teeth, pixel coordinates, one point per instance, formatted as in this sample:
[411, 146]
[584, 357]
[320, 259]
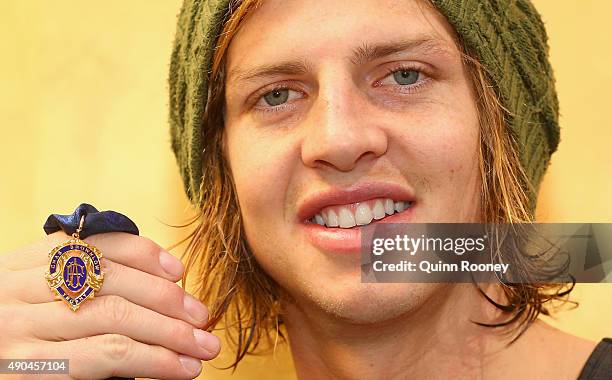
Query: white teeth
[398, 206]
[332, 219]
[378, 210]
[401, 206]
[319, 220]
[363, 215]
[346, 218]
[359, 214]
[389, 206]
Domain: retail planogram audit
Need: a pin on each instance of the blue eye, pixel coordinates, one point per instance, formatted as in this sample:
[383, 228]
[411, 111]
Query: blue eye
[276, 97]
[405, 77]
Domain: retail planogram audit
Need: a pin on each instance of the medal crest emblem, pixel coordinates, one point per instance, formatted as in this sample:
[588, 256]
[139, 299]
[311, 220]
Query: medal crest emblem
[74, 272]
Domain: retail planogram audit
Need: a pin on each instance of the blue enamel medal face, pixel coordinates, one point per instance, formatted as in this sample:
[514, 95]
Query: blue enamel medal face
[74, 272]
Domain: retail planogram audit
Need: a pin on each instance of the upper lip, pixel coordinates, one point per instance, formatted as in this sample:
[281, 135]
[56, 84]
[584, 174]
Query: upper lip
[313, 203]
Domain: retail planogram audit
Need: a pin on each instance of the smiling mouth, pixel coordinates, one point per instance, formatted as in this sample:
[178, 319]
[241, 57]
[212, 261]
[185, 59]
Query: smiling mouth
[359, 213]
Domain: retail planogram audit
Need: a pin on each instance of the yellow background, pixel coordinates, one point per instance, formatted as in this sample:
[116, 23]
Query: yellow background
[83, 118]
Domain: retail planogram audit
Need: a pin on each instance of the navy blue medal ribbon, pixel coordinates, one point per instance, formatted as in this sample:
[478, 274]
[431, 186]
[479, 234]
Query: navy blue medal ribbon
[97, 222]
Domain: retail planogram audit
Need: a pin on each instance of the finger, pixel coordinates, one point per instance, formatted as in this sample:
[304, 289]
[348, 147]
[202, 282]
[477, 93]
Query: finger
[108, 355]
[138, 252]
[131, 250]
[111, 314]
[32, 255]
[144, 289]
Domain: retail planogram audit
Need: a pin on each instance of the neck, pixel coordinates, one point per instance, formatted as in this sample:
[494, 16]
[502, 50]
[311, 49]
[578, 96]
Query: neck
[438, 340]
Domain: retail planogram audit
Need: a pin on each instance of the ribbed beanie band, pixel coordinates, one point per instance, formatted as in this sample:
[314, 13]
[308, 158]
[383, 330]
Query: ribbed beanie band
[507, 36]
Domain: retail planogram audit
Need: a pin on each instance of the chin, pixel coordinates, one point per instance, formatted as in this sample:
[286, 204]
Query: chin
[365, 303]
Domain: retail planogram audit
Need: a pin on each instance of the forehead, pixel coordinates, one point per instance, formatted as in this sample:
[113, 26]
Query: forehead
[285, 29]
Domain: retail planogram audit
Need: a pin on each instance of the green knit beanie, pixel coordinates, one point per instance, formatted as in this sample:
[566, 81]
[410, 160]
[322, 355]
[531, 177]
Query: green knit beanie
[508, 37]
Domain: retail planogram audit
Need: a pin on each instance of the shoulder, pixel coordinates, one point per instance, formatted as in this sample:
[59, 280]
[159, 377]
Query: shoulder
[599, 364]
[559, 354]
[549, 353]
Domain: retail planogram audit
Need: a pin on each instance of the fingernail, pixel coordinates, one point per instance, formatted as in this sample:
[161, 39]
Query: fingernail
[192, 365]
[195, 308]
[170, 264]
[207, 341]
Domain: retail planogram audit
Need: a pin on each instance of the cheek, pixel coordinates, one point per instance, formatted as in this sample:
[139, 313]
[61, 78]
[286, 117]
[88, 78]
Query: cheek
[261, 170]
[459, 150]
[440, 157]
[455, 183]
[442, 143]
[454, 155]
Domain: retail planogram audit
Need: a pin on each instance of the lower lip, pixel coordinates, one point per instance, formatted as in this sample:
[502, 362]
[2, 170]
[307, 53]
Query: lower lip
[347, 240]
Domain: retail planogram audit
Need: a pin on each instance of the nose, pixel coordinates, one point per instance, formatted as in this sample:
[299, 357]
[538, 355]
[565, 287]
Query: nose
[342, 129]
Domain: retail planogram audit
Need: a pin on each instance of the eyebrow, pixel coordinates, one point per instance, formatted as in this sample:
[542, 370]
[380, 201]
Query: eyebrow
[360, 55]
[425, 45]
[283, 68]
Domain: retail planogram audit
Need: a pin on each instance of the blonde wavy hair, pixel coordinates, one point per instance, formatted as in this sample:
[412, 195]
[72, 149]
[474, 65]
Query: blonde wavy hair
[244, 300]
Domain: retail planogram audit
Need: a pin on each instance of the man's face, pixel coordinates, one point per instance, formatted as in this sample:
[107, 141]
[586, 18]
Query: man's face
[343, 112]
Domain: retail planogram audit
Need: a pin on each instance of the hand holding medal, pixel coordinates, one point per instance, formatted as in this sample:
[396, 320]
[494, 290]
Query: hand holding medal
[114, 308]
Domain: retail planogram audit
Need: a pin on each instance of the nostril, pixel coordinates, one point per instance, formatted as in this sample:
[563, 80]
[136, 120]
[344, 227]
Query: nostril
[345, 164]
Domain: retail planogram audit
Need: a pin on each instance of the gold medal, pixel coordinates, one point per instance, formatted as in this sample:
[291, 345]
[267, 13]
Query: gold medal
[74, 273]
